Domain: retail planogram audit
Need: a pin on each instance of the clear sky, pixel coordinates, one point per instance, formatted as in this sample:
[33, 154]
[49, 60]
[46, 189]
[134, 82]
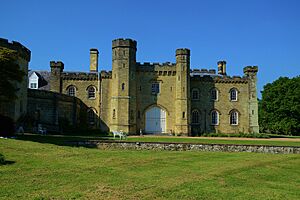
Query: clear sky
[242, 32]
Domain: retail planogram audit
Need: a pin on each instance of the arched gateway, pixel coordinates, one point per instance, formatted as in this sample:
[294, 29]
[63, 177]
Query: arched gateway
[155, 120]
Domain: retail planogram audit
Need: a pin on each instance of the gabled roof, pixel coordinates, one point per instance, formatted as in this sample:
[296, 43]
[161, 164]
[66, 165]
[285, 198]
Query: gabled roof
[44, 79]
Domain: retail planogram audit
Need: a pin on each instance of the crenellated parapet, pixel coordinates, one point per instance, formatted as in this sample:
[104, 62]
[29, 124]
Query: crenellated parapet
[203, 71]
[166, 68]
[106, 74]
[22, 51]
[250, 70]
[121, 42]
[79, 76]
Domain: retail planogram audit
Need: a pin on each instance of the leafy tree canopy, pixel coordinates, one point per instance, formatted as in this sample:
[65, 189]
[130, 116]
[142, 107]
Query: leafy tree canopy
[10, 73]
[279, 109]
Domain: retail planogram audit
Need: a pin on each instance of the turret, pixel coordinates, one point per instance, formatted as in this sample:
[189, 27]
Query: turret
[55, 77]
[182, 102]
[222, 67]
[251, 72]
[124, 85]
[94, 60]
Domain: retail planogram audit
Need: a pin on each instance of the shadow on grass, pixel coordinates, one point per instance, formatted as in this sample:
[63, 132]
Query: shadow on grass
[8, 162]
[63, 140]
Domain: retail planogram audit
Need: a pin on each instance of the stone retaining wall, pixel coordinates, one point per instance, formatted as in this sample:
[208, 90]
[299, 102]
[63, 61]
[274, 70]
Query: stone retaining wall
[159, 146]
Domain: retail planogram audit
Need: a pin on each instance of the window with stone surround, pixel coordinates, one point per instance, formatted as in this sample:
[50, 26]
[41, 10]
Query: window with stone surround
[233, 94]
[215, 117]
[155, 88]
[195, 94]
[91, 116]
[72, 91]
[214, 94]
[234, 117]
[91, 92]
[195, 117]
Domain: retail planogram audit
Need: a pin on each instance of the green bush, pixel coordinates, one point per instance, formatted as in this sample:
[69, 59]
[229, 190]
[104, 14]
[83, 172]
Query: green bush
[2, 159]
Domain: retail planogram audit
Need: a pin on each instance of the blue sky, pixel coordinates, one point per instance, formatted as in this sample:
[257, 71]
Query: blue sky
[242, 32]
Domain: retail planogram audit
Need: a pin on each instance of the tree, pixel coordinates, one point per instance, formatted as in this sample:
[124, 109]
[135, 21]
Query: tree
[10, 73]
[279, 109]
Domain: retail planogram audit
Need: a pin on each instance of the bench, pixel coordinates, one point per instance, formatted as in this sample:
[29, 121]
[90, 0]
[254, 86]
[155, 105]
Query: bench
[120, 134]
[41, 129]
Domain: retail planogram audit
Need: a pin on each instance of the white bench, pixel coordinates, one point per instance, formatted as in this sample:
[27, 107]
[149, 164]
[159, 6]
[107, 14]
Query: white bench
[41, 130]
[120, 134]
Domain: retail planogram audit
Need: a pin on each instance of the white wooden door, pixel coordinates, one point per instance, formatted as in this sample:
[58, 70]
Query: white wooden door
[155, 120]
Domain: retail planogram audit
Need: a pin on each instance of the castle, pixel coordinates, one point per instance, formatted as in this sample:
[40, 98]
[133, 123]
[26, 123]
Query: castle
[18, 107]
[160, 98]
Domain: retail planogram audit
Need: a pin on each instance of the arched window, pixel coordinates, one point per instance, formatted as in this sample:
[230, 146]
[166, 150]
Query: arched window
[233, 94]
[123, 86]
[195, 117]
[234, 117]
[195, 94]
[215, 117]
[91, 92]
[91, 116]
[214, 94]
[72, 91]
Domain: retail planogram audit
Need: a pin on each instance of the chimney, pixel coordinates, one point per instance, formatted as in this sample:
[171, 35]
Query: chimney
[94, 60]
[222, 67]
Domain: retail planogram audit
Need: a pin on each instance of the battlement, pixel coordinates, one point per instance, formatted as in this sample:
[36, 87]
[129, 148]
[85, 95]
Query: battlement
[251, 69]
[79, 76]
[208, 71]
[156, 67]
[121, 42]
[183, 51]
[106, 74]
[58, 64]
[22, 51]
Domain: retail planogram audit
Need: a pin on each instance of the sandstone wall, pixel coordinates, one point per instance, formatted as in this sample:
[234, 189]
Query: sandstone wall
[55, 111]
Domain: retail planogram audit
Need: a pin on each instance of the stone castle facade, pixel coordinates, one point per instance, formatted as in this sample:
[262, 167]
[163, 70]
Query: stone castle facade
[18, 107]
[161, 98]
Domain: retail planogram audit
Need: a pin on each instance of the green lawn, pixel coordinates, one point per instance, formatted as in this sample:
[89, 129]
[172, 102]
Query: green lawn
[38, 170]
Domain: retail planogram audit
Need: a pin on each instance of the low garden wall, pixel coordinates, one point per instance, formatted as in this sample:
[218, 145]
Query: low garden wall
[161, 146]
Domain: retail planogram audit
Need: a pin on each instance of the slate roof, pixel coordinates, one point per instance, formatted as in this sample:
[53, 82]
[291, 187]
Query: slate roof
[44, 79]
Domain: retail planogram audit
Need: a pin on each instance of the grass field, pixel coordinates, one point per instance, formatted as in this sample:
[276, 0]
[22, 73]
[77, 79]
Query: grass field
[37, 170]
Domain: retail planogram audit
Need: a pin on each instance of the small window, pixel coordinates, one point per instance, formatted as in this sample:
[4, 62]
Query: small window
[91, 92]
[71, 91]
[233, 95]
[195, 117]
[114, 114]
[140, 88]
[91, 116]
[234, 118]
[123, 86]
[214, 94]
[33, 85]
[183, 115]
[214, 117]
[155, 88]
[195, 94]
